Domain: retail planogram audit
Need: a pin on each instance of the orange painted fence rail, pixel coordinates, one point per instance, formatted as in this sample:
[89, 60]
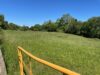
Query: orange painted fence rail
[64, 71]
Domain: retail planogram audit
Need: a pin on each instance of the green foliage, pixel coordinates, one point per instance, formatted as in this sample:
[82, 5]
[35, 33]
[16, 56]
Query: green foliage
[85, 29]
[66, 23]
[36, 27]
[64, 20]
[49, 26]
[1, 36]
[12, 26]
[94, 25]
[73, 27]
[61, 29]
[24, 28]
[7, 26]
[91, 28]
[1, 20]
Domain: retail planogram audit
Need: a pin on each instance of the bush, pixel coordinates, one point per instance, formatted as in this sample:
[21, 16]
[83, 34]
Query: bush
[36, 27]
[49, 26]
[1, 36]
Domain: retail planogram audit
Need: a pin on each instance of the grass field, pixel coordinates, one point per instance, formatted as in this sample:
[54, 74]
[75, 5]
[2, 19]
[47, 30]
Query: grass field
[76, 53]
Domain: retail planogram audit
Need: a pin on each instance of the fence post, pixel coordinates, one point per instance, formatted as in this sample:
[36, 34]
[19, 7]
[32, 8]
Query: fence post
[20, 62]
[30, 66]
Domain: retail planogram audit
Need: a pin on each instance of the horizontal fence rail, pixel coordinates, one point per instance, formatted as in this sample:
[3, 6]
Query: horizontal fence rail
[54, 66]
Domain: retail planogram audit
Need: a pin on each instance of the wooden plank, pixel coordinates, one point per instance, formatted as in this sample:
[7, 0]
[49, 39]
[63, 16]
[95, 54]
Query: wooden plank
[20, 62]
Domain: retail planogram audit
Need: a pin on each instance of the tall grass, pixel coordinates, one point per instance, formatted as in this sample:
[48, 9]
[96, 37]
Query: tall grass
[70, 51]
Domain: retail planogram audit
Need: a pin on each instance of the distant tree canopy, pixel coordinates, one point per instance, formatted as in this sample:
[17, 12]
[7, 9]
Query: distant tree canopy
[49, 26]
[36, 27]
[91, 28]
[2, 22]
[67, 24]
[24, 28]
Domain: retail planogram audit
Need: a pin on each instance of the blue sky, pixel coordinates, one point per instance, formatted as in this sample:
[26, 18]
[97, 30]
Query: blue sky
[30, 12]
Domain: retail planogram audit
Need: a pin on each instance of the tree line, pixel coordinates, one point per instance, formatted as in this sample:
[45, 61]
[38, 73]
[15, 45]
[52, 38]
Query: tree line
[66, 24]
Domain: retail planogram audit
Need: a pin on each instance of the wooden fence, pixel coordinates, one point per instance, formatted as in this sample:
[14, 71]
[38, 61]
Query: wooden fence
[64, 71]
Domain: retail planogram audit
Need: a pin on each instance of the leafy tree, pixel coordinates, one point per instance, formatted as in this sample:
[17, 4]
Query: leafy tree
[36, 27]
[91, 28]
[64, 22]
[67, 24]
[5, 25]
[1, 36]
[73, 27]
[1, 20]
[94, 25]
[24, 28]
[12, 26]
[49, 26]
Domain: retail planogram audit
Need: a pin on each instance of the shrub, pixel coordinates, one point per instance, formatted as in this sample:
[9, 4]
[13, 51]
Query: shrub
[1, 36]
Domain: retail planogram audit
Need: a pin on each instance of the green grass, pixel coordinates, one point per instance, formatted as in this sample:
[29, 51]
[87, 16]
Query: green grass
[76, 53]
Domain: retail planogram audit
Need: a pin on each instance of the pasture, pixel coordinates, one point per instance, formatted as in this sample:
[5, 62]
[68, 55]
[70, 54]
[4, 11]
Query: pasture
[74, 52]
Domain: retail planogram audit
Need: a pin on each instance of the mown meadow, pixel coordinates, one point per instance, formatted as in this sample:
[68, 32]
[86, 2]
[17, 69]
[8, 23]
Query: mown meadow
[73, 52]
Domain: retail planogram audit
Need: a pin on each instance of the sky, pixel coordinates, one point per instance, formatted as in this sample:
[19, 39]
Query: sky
[30, 12]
